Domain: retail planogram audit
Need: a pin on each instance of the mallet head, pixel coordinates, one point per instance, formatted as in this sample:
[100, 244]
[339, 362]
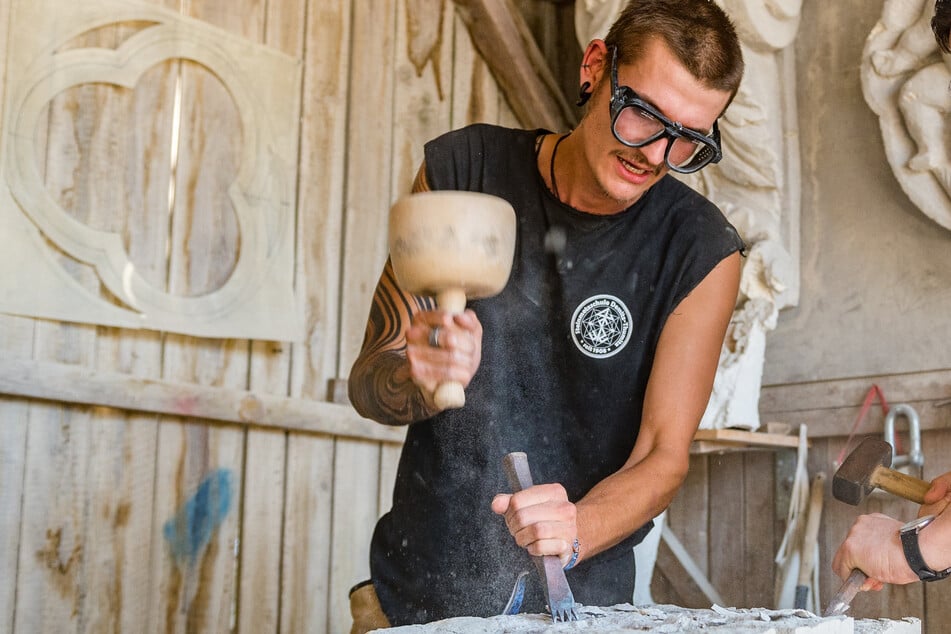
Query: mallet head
[853, 480]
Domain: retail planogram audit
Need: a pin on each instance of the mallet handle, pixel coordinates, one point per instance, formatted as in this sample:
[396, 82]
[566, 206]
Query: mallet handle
[897, 483]
[811, 535]
[450, 394]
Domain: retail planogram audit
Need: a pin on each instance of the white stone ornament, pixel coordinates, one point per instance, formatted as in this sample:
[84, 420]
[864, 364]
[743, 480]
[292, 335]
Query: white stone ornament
[593, 18]
[906, 81]
[765, 24]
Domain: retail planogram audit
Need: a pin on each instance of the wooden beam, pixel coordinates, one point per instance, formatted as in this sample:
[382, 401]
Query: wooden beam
[897, 388]
[830, 408]
[77, 384]
[505, 42]
[679, 580]
[722, 440]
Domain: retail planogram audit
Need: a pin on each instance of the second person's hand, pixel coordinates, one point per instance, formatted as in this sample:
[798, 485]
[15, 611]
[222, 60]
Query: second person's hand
[874, 547]
[937, 497]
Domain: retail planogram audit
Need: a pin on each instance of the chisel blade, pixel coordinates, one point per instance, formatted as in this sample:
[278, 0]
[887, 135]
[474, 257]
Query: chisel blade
[841, 600]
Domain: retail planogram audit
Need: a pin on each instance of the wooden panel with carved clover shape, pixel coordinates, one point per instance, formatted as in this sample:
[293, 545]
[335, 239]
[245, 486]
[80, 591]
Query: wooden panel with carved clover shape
[44, 242]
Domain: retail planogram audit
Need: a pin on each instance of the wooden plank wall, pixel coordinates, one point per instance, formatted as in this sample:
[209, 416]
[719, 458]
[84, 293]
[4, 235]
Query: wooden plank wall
[730, 514]
[115, 521]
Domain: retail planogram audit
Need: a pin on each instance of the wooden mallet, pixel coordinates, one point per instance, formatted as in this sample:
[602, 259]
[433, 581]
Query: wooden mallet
[453, 245]
[867, 468]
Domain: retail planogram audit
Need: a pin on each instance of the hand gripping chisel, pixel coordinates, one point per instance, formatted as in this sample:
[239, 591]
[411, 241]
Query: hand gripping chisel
[561, 602]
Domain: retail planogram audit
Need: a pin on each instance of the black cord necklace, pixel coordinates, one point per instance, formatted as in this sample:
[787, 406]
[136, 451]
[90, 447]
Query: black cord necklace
[551, 167]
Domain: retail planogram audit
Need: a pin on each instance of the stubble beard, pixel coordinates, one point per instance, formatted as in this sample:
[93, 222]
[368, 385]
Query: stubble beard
[638, 159]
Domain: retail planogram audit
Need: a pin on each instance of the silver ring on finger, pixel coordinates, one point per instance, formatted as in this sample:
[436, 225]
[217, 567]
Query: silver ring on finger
[434, 337]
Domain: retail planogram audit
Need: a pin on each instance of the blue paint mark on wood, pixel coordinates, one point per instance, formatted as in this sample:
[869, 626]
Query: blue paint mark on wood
[197, 519]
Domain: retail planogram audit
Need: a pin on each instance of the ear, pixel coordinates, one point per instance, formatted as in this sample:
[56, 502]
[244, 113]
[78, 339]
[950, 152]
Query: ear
[595, 63]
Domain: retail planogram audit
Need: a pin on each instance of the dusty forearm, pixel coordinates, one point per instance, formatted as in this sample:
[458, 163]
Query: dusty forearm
[625, 501]
[381, 389]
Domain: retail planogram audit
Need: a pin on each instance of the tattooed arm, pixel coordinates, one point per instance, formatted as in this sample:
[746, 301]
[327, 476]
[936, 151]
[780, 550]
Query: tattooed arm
[394, 376]
[380, 385]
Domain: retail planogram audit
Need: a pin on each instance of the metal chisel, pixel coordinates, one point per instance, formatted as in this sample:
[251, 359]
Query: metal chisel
[561, 602]
[840, 602]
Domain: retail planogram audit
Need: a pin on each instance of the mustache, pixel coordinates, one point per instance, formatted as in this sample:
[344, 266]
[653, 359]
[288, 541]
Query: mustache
[641, 161]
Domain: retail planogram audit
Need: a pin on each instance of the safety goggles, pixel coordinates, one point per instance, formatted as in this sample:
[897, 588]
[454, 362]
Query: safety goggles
[636, 123]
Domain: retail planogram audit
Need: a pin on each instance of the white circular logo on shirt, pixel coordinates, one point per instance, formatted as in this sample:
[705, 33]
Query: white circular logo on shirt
[601, 326]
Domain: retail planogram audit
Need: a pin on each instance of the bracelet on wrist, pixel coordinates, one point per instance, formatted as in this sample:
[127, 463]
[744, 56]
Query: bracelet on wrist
[575, 551]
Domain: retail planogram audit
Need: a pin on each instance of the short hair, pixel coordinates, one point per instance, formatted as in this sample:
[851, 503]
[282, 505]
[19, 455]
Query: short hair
[941, 24]
[698, 32]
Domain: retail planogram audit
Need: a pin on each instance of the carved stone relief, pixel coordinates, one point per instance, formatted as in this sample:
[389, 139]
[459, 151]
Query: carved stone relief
[907, 83]
[257, 300]
[757, 187]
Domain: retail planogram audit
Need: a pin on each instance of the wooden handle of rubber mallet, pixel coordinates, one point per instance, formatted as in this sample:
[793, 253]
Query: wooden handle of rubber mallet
[897, 483]
[450, 394]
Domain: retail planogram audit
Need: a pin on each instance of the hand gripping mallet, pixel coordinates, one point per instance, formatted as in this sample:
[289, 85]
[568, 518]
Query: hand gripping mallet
[453, 245]
[867, 468]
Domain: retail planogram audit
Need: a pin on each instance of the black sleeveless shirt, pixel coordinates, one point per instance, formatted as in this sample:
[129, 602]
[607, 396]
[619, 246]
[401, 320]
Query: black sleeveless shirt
[567, 351]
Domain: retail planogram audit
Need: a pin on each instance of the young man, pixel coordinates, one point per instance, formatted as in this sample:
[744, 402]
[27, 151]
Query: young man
[598, 357]
[881, 547]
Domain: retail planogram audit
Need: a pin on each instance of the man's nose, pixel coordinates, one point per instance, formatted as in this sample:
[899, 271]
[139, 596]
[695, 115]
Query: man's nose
[654, 152]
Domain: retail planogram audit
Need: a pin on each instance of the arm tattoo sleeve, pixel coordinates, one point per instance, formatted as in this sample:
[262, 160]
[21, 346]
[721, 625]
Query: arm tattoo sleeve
[380, 386]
